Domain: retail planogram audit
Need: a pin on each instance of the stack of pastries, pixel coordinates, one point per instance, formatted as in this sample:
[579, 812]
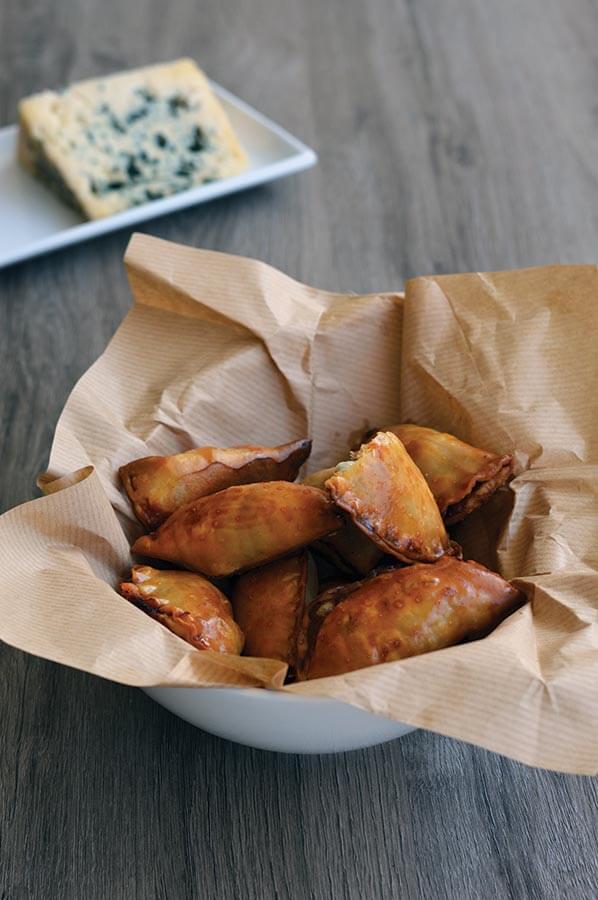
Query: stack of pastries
[248, 537]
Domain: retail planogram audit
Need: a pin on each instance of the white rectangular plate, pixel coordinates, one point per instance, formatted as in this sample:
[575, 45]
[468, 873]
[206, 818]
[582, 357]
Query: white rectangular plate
[34, 221]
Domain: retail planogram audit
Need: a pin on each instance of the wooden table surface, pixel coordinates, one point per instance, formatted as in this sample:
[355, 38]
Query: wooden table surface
[453, 136]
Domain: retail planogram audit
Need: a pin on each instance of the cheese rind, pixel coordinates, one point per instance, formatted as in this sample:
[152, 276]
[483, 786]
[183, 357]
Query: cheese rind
[111, 143]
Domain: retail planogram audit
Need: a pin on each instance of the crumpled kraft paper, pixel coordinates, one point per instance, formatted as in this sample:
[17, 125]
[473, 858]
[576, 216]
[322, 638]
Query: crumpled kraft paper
[223, 350]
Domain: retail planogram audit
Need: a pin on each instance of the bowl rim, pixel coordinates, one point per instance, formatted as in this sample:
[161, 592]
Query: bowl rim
[272, 695]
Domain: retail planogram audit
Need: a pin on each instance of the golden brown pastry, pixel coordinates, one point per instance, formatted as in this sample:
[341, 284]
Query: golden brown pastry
[460, 476]
[387, 497]
[404, 612]
[242, 527]
[187, 604]
[159, 485]
[268, 604]
[313, 617]
[349, 549]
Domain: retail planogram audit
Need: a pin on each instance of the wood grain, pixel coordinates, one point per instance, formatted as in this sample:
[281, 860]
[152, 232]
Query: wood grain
[453, 136]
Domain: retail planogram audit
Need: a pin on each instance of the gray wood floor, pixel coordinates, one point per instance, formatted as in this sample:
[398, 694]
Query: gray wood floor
[452, 136]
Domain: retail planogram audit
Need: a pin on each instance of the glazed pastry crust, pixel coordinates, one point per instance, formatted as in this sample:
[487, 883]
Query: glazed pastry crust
[268, 605]
[242, 527]
[402, 613]
[461, 477]
[387, 497]
[159, 485]
[189, 605]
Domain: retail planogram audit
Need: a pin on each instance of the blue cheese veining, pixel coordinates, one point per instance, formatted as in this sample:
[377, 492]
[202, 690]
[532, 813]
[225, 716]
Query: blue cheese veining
[111, 143]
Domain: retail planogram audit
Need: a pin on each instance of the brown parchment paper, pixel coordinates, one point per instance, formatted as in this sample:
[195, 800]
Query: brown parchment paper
[224, 350]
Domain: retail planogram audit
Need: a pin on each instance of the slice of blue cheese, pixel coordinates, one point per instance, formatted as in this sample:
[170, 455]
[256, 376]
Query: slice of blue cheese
[111, 143]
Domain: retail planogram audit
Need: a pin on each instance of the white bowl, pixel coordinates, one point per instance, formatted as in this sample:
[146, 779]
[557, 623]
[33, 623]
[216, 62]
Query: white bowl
[270, 720]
